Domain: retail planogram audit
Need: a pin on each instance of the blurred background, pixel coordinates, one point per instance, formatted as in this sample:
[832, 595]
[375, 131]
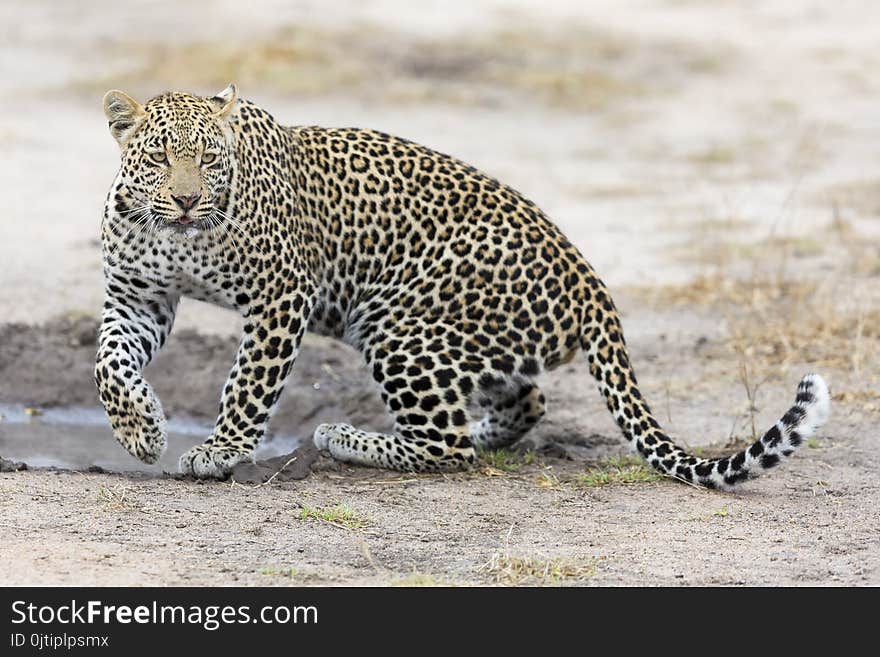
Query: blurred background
[716, 160]
[682, 145]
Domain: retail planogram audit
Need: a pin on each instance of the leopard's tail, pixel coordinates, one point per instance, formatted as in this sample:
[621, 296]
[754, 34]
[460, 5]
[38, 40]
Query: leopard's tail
[609, 363]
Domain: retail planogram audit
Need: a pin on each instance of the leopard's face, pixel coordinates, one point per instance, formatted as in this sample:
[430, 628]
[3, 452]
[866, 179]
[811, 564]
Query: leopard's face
[177, 157]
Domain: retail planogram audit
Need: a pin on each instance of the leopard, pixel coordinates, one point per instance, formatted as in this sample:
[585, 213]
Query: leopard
[458, 291]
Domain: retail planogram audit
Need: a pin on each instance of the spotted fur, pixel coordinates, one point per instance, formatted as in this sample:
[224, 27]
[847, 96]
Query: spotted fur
[457, 290]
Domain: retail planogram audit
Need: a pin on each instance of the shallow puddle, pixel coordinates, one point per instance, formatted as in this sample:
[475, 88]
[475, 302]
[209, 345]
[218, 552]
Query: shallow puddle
[77, 438]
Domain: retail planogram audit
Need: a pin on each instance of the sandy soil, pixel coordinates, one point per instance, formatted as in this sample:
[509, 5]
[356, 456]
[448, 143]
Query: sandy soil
[716, 163]
[525, 519]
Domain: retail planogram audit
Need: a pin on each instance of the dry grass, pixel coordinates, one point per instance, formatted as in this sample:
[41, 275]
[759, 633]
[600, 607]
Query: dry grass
[715, 155]
[709, 229]
[288, 573]
[116, 498]
[576, 67]
[613, 191]
[746, 158]
[416, 579]
[774, 321]
[713, 244]
[791, 301]
[509, 569]
[860, 196]
[862, 256]
[776, 309]
[548, 479]
[619, 470]
[865, 398]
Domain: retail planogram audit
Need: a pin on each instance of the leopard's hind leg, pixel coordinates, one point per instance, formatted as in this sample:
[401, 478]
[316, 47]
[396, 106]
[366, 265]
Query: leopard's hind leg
[408, 448]
[510, 412]
[428, 395]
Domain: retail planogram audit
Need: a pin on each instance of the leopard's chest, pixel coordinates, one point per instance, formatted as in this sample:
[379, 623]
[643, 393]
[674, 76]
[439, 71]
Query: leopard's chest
[199, 273]
[218, 283]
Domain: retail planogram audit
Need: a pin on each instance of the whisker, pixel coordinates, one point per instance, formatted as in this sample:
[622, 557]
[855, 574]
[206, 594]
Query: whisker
[236, 246]
[128, 213]
[138, 225]
[216, 223]
[232, 222]
[122, 235]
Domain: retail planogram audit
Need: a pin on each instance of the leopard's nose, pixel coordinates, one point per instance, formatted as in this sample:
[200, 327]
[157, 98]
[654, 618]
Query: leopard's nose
[187, 202]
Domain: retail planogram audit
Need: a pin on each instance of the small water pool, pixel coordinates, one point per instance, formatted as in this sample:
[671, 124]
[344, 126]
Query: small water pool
[77, 438]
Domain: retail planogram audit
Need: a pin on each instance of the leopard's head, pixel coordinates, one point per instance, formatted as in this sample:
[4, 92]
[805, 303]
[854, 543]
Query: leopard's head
[177, 156]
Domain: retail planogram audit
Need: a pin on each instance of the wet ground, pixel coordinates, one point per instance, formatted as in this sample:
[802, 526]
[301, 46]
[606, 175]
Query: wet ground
[51, 416]
[80, 439]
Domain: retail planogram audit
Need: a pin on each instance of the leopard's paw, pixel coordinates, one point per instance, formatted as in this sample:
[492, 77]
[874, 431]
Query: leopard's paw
[323, 434]
[206, 461]
[139, 425]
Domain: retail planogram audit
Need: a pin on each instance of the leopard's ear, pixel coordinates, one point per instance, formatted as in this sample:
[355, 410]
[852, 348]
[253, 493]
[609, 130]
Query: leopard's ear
[124, 115]
[226, 103]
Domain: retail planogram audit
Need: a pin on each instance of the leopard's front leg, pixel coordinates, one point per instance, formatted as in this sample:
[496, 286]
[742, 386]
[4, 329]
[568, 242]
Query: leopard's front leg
[135, 322]
[266, 353]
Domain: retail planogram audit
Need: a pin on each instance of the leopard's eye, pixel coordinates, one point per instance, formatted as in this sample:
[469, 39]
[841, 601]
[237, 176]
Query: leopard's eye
[209, 158]
[159, 157]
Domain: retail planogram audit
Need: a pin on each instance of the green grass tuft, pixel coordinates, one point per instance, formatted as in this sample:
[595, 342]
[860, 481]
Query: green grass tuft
[619, 470]
[339, 514]
[506, 460]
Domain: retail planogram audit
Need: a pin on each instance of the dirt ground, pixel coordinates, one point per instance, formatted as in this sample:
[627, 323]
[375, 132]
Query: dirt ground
[715, 161]
[563, 512]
